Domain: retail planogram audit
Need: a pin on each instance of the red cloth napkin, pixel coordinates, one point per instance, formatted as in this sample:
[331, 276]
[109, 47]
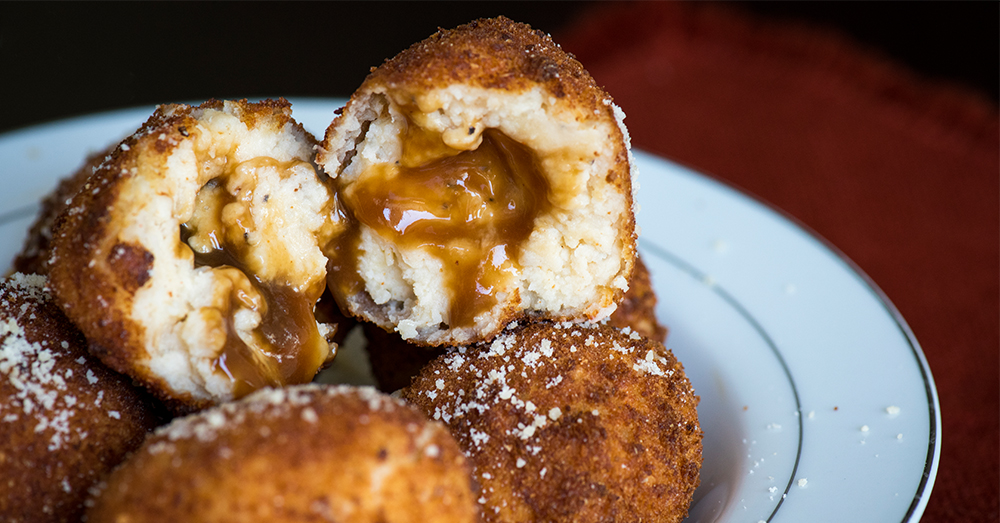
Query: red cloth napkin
[898, 172]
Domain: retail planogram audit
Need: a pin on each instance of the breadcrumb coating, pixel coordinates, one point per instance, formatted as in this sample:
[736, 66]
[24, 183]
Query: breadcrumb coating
[302, 453]
[570, 422]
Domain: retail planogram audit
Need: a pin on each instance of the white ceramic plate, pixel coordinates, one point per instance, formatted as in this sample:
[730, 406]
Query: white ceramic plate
[816, 401]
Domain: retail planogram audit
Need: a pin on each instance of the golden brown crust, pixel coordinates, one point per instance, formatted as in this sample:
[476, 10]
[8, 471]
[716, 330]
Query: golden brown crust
[65, 419]
[305, 453]
[637, 309]
[494, 53]
[570, 422]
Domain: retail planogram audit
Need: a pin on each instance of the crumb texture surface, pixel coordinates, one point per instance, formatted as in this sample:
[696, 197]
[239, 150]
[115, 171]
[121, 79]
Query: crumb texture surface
[302, 453]
[570, 422]
[65, 419]
[452, 99]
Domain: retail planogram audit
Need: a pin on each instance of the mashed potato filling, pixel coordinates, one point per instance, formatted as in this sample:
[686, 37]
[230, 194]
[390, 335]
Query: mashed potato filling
[471, 209]
[264, 319]
[238, 265]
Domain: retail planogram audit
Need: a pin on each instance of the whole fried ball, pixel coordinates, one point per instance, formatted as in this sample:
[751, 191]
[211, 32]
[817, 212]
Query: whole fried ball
[65, 419]
[304, 453]
[637, 309]
[483, 176]
[570, 422]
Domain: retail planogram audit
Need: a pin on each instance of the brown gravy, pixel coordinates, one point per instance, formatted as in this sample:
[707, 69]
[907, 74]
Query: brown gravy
[470, 209]
[287, 346]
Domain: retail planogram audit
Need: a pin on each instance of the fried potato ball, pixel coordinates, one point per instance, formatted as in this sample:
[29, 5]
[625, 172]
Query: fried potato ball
[481, 176]
[570, 422]
[191, 258]
[65, 419]
[303, 453]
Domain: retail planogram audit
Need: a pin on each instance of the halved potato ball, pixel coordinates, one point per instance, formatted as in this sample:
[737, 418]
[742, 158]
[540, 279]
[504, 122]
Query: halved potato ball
[303, 453]
[192, 260]
[482, 176]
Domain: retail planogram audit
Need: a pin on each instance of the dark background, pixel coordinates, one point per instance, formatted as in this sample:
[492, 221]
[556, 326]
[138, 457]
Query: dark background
[66, 59]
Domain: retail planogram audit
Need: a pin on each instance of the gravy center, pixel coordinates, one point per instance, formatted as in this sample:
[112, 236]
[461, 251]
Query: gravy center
[470, 209]
[284, 346]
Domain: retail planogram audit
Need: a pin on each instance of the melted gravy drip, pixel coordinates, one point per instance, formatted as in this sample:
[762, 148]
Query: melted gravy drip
[289, 348]
[470, 209]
